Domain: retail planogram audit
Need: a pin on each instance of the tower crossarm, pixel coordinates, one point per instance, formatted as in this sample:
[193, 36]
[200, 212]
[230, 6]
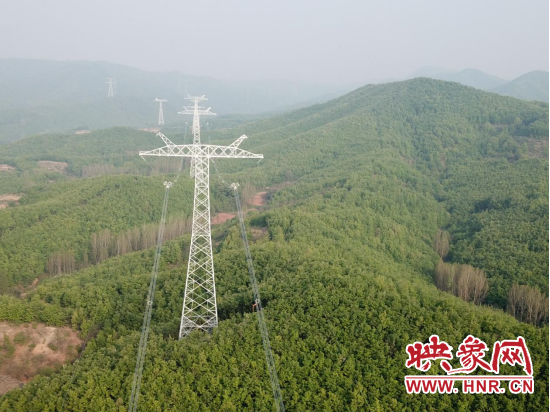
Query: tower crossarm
[168, 142]
[237, 142]
[205, 150]
[200, 111]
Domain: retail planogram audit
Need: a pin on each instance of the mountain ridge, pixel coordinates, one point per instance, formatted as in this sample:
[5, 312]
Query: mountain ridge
[529, 86]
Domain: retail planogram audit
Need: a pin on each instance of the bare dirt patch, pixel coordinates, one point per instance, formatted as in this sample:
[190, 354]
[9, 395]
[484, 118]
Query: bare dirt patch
[10, 197]
[22, 290]
[60, 167]
[279, 186]
[7, 383]
[151, 129]
[7, 198]
[259, 199]
[537, 148]
[29, 349]
[6, 168]
[82, 132]
[258, 233]
[221, 218]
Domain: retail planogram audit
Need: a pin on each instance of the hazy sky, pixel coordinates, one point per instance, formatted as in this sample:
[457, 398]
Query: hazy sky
[336, 42]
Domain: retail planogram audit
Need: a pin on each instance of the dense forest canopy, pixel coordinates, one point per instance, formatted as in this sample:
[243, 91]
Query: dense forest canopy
[358, 189]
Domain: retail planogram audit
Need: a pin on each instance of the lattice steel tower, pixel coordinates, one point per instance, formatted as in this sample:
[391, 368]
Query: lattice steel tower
[110, 93]
[161, 113]
[200, 309]
[196, 111]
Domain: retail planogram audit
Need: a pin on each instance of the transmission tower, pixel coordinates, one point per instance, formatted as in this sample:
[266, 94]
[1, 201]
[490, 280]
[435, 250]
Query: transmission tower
[110, 93]
[161, 113]
[200, 309]
[196, 111]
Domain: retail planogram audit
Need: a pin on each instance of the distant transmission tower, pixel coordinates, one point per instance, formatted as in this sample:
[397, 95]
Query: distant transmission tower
[200, 309]
[110, 93]
[161, 114]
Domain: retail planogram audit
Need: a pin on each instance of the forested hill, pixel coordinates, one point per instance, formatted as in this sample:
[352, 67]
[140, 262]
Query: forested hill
[43, 96]
[530, 86]
[451, 137]
[358, 189]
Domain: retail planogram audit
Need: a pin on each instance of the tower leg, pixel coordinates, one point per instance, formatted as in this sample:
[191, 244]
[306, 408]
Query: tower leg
[200, 309]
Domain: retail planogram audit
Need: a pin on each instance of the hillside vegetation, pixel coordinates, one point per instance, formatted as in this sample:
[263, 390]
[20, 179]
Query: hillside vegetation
[358, 189]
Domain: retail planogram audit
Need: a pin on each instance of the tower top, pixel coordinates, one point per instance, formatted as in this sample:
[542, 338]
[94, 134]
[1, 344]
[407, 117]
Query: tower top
[196, 98]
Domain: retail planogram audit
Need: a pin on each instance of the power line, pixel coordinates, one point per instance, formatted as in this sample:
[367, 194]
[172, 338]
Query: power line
[219, 175]
[278, 397]
[142, 348]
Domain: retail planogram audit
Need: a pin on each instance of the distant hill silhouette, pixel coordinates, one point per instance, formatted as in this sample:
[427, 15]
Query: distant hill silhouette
[530, 86]
[51, 96]
[468, 77]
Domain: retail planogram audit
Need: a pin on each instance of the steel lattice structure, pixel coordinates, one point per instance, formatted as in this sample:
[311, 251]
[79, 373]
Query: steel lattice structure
[161, 113]
[196, 111]
[110, 93]
[200, 309]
